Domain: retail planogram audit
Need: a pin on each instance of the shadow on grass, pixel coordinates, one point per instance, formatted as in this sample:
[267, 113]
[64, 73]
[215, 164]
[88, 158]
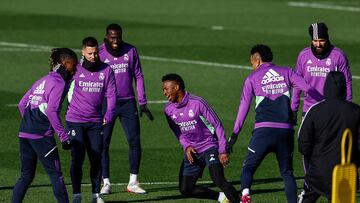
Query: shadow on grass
[175, 187]
[162, 198]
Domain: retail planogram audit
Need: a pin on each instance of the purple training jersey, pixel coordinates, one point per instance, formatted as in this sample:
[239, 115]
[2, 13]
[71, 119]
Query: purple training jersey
[87, 92]
[270, 85]
[126, 68]
[315, 70]
[196, 124]
[40, 108]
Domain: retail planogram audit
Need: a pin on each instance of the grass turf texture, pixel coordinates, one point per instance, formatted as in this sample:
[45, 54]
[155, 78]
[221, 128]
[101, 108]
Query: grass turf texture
[167, 29]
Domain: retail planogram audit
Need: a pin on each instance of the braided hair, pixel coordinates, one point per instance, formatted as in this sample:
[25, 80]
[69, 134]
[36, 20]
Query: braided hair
[58, 55]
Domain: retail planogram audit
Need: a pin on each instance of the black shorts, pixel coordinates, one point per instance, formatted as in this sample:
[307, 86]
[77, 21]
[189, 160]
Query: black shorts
[206, 158]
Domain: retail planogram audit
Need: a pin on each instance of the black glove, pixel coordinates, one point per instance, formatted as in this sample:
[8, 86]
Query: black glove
[144, 109]
[294, 118]
[231, 142]
[66, 145]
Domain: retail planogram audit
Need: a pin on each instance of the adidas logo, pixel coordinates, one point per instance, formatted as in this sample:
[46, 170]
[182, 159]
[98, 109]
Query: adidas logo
[211, 157]
[271, 76]
[40, 88]
[106, 61]
[82, 75]
[309, 61]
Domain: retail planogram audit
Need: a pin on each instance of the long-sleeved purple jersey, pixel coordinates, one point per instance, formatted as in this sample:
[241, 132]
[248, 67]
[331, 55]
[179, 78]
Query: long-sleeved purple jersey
[315, 70]
[126, 68]
[195, 124]
[271, 85]
[40, 108]
[87, 92]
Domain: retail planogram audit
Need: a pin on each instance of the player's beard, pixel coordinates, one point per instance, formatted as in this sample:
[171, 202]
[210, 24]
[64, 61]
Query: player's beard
[323, 52]
[115, 52]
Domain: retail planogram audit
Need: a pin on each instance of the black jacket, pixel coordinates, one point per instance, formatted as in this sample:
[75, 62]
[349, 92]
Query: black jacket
[321, 132]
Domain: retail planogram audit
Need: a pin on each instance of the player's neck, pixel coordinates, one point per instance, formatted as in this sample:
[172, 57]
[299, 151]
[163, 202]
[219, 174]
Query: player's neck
[180, 96]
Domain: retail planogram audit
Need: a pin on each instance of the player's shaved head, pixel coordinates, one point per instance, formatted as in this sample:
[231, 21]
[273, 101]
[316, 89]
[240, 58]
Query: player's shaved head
[176, 78]
[113, 26]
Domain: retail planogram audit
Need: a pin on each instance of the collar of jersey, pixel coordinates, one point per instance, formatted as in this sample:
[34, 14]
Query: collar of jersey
[184, 101]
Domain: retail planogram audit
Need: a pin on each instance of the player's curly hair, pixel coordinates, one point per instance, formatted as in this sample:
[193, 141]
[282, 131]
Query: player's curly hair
[264, 51]
[58, 55]
[174, 77]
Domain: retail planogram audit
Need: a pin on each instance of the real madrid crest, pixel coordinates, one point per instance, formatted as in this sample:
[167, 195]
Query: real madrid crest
[126, 57]
[328, 61]
[191, 113]
[101, 76]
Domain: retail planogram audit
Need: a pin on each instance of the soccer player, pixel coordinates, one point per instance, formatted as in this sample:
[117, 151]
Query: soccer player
[313, 64]
[124, 60]
[201, 133]
[320, 136]
[273, 131]
[92, 82]
[39, 109]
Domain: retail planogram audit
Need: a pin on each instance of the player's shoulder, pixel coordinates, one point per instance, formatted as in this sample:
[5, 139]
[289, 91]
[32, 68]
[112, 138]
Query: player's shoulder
[54, 77]
[128, 45]
[338, 51]
[305, 51]
[168, 107]
[194, 99]
[102, 48]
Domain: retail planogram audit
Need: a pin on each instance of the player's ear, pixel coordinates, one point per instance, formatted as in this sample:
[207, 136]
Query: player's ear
[177, 87]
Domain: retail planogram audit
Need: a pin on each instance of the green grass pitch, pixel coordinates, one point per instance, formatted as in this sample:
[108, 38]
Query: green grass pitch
[171, 36]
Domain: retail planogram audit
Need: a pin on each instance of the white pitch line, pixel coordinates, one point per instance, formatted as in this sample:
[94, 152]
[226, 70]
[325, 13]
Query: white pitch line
[324, 6]
[158, 102]
[149, 102]
[150, 58]
[11, 105]
[152, 183]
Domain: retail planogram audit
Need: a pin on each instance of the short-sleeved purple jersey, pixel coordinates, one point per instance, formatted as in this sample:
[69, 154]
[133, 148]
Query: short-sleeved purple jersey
[40, 108]
[126, 68]
[315, 70]
[87, 92]
[270, 85]
[195, 124]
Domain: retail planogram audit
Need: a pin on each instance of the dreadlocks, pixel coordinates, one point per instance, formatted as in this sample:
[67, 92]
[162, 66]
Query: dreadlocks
[58, 55]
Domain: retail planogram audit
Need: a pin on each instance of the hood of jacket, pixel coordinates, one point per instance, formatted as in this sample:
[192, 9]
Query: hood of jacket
[335, 86]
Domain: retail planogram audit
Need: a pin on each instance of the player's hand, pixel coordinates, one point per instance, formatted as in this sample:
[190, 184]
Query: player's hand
[231, 142]
[294, 118]
[224, 159]
[189, 154]
[104, 122]
[66, 145]
[144, 109]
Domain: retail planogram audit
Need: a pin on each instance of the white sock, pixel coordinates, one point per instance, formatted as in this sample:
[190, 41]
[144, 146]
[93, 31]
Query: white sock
[221, 196]
[133, 178]
[245, 191]
[75, 195]
[95, 195]
[106, 181]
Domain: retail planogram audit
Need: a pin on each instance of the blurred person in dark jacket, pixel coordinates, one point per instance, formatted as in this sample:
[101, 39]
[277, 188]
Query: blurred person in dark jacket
[320, 136]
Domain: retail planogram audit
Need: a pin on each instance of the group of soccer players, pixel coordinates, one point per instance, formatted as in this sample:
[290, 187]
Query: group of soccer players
[99, 89]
